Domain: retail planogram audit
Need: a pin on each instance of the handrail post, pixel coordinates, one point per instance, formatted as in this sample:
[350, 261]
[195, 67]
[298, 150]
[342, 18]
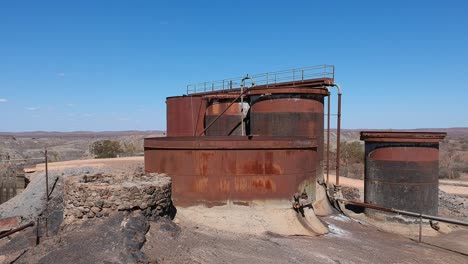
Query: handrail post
[294, 75]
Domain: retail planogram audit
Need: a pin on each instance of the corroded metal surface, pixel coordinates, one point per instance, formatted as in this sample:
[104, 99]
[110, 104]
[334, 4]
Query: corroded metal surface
[415, 137]
[228, 123]
[290, 115]
[216, 170]
[185, 115]
[402, 170]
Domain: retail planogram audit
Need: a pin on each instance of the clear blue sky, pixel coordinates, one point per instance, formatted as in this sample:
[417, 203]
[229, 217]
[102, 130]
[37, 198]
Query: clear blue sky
[108, 65]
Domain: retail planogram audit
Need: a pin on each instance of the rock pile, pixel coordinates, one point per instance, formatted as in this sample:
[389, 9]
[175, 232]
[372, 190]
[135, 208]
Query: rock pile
[88, 196]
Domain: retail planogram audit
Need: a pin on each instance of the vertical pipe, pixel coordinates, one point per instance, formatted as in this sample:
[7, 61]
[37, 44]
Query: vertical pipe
[47, 175]
[242, 108]
[338, 138]
[37, 230]
[47, 226]
[420, 227]
[1, 190]
[328, 137]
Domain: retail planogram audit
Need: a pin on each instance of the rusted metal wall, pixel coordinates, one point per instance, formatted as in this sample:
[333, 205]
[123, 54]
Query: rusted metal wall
[215, 170]
[185, 115]
[402, 170]
[229, 123]
[293, 114]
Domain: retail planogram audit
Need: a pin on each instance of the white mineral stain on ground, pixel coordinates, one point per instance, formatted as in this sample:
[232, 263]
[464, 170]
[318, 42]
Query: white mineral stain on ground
[336, 231]
[341, 218]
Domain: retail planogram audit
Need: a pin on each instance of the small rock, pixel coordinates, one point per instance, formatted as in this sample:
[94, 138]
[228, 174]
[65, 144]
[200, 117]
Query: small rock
[123, 206]
[100, 203]
[95, 209]
[77, 213]
[106, 211]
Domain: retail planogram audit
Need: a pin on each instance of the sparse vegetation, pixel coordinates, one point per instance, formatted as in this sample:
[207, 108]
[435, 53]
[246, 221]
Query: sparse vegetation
[452, 165]
[351, 159]
[106, 149]
[129, 149]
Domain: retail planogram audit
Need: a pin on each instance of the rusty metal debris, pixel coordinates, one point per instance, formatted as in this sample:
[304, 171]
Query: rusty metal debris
[11, 232]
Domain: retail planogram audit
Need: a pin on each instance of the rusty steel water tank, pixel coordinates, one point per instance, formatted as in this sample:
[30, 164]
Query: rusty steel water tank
[290, 112]
[229, 123]
[402, 170]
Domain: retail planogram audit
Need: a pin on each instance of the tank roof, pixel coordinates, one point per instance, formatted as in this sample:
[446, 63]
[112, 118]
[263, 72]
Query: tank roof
[403, 136]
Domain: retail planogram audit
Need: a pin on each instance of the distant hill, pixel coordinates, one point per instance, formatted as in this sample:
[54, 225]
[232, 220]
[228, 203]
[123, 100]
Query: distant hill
[64, 146]
[46, 134]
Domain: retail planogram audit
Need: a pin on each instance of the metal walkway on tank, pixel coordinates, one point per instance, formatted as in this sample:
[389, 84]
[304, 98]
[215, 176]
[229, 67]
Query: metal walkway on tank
[270, 79]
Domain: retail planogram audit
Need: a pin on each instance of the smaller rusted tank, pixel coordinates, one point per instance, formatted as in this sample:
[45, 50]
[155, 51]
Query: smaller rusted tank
[230, 122]
[402, 170]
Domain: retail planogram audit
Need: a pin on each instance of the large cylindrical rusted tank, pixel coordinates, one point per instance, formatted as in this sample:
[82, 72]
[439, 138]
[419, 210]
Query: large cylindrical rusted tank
[241, 170]
[185, 115]
[228, 124]
[290, 112]
[402, 170]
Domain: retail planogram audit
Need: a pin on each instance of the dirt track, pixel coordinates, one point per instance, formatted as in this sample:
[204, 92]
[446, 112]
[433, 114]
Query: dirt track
[452, 187]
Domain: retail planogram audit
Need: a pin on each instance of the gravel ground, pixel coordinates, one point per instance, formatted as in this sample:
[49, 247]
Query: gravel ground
[348, 242]
[453, 206]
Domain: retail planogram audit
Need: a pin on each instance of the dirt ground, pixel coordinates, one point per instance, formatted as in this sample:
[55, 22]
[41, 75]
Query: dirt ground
[347, 242]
